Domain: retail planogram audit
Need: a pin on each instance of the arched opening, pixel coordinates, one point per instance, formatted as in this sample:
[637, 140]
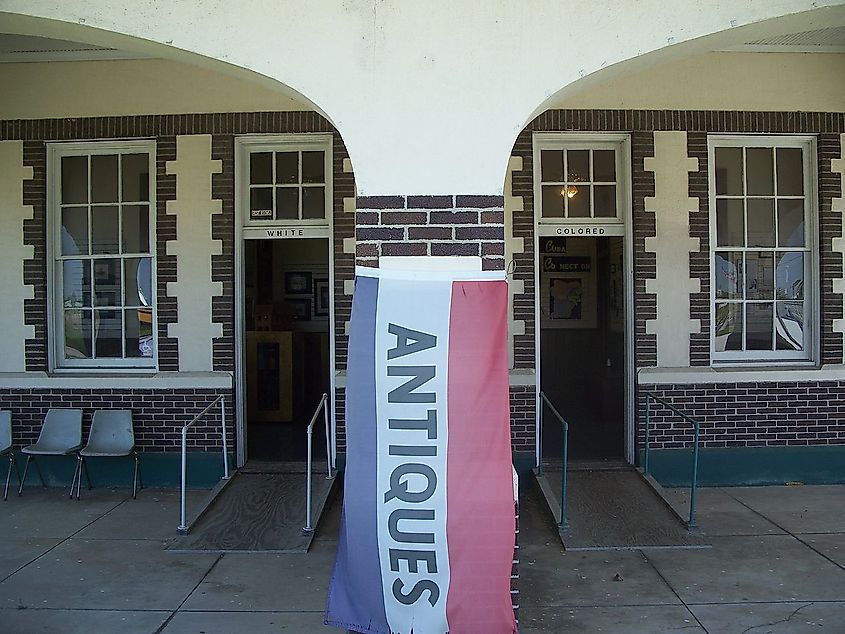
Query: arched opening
[765, 86]
[239, 228]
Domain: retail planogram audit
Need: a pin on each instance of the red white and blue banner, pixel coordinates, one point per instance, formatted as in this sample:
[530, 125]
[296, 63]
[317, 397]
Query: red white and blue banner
[427, 532]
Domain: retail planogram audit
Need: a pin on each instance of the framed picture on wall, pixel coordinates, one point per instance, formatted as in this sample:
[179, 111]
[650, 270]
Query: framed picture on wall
[321, 298]
[300, 309]
[298, 282]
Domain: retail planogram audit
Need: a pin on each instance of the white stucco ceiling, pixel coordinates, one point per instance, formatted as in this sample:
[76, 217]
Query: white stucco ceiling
[429, 96]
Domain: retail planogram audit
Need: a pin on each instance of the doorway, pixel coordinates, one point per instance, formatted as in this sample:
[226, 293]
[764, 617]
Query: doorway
[583, 346]
[286, 341]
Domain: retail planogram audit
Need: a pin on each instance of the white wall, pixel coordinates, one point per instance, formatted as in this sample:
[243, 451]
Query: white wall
[128, 87]
[725, 81]
[429, 96]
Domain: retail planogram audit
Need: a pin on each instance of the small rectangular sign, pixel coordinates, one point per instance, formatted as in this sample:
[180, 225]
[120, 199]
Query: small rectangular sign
[260, 214]
[581, 230]
[269, 233]
[553, 245]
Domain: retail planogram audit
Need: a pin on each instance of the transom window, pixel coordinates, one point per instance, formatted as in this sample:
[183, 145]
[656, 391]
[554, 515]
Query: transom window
[579, 182]
[762, 267]
[102, 214]
[288, 185]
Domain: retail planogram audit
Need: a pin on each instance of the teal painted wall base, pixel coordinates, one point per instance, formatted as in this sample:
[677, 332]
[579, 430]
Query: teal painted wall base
[157, 470]
[750, 465]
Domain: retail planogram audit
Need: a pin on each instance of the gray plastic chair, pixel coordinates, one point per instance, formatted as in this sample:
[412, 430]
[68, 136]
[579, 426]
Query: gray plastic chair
[61, 435]
[111, 436]
[6, 447]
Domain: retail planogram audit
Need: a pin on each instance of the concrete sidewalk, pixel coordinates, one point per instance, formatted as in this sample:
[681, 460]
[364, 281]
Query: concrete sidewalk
[777, 565]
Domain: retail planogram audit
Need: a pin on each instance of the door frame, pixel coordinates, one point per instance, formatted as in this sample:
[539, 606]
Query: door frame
[276, 230]
[622, 227]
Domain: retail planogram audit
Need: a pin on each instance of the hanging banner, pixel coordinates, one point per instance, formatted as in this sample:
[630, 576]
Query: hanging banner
[427, 531]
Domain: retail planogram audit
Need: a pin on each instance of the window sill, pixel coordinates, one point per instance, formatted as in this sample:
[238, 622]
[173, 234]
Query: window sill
[743, 374]
[116, 380]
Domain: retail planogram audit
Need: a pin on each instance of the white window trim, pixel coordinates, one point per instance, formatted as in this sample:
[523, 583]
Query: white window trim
[55, 326]
[582, 141]
[761, 358]
[280, 143]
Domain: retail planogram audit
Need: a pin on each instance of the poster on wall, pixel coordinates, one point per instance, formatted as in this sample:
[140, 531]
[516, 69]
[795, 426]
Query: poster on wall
[568, 284]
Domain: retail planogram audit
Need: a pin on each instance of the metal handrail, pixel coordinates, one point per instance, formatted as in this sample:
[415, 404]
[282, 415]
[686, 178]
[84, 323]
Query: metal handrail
[696, 435]
[323, 404]
[183, 526]
[564, 520]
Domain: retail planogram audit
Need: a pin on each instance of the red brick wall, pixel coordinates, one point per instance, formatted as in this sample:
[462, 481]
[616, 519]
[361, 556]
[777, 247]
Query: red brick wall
[158, 414]
[762, 414]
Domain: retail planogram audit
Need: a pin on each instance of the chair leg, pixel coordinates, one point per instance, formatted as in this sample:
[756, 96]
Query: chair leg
[9, 474]
[135, 477]
[25, 469]
[87, 476]
[77, 475]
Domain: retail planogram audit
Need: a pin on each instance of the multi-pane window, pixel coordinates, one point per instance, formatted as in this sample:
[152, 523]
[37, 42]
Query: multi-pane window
[762, 249]
[579, 183]
[102, 219]
[287, 185]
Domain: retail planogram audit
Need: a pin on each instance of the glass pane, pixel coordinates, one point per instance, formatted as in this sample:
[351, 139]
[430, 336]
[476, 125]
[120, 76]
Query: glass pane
[261, 168]
[729, 275]
[287, 167]
[551, 166]
[729, 171]
[790, 171]
[759, 166]
[77, 334]
[75, 231]
[789, 326]
[138, 282]
[104, 178]
[104, 230]
[108, 333]
[604, 165]
[790, 275]
[758, 326]
[761, 222]
[76, 283]
[107, 282]
[74, 179]
[728, 327]
[261, 203]
[313, 202]
[313, 167]
[604, 199]
[553, 196]
[730, 225]
[136, 229]
[759, 275]
[139, 332]
[578, 201]
[791, 223]
[135, 177]
[287, 203]
[578, 169]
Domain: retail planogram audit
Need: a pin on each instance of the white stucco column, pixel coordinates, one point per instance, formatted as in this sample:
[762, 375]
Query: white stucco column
[193, 289]
[672, 244]
[13, 252]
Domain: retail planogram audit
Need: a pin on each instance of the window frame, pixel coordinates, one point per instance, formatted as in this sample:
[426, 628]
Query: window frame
[812, 274]
[567, 141]
[294, 142]
[55, 322]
